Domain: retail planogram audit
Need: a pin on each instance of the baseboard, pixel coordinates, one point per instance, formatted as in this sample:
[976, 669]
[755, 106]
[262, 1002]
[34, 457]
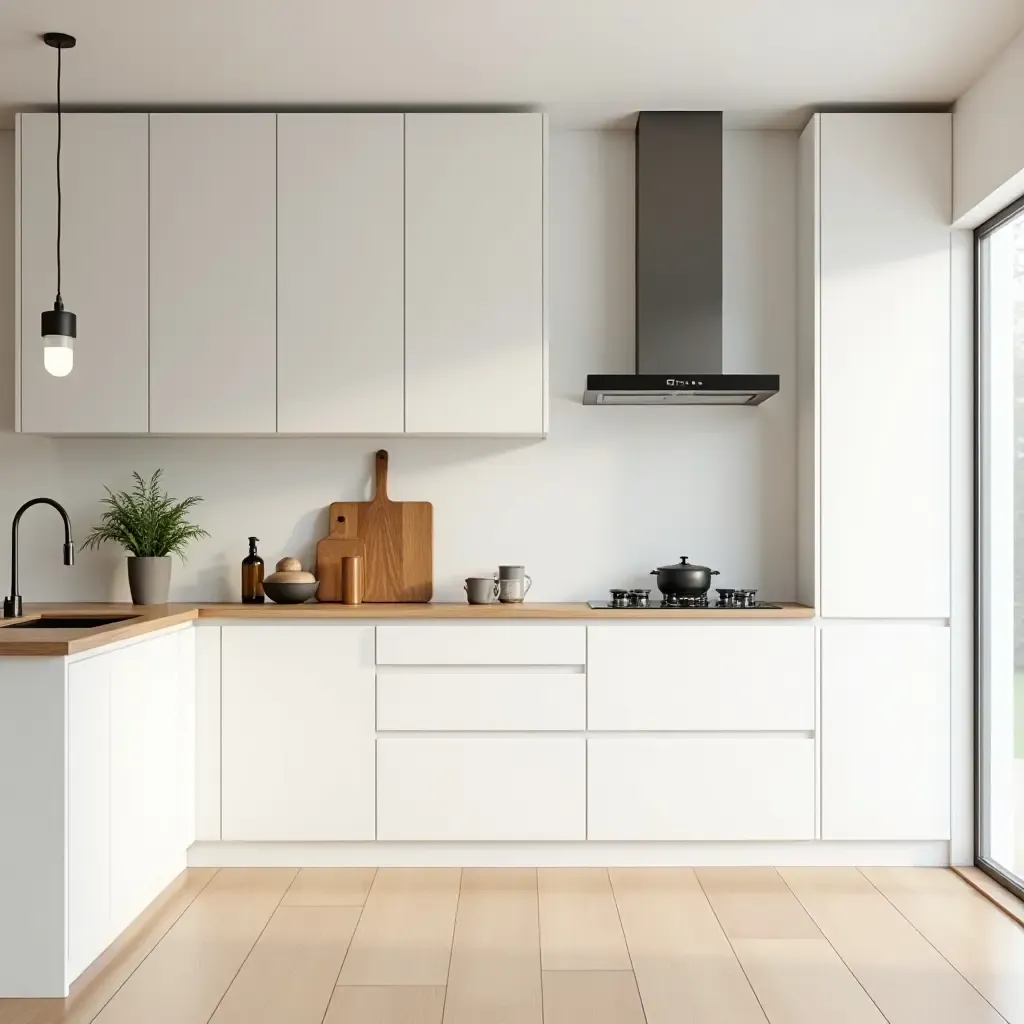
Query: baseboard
[583, 854]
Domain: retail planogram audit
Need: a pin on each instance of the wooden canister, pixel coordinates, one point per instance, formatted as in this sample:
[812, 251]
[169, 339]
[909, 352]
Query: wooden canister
[352, 579]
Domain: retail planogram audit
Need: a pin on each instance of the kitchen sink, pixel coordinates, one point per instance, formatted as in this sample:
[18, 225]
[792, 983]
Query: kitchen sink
[69, 622]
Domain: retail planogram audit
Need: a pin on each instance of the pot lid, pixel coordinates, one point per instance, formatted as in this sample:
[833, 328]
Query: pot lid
[684, 564]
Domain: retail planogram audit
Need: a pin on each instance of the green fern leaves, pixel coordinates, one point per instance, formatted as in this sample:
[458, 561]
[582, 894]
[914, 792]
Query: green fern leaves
[145, 521]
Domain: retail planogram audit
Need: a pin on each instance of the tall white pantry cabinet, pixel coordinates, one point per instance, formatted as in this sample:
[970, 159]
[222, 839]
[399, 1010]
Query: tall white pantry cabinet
[874, 492]
[261, 273]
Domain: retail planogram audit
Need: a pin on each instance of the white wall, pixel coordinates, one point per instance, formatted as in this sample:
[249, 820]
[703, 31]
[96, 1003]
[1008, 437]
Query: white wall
[988, 140]
[612, 493]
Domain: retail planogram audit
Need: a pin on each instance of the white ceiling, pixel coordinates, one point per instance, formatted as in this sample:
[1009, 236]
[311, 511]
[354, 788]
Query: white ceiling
[586, 61]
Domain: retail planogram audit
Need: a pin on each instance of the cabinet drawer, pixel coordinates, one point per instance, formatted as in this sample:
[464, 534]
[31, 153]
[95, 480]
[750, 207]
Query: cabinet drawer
[480, 701]
[700, 788]
[481, 645]
[688, 677]
[481, 788]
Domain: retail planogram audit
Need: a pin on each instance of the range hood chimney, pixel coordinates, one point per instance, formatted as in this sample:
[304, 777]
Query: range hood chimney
[679, 273]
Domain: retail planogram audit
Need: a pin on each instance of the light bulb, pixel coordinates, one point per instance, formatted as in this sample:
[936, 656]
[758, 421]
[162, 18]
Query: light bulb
[58, 354]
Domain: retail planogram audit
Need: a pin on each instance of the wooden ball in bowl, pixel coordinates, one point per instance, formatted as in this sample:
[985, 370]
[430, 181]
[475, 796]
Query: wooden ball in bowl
[291, 577]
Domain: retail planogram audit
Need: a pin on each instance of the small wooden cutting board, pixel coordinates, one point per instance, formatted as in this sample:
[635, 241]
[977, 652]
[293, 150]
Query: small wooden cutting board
[398, 537]
[329, 553]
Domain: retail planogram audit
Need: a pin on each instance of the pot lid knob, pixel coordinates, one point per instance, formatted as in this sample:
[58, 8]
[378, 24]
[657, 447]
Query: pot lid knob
[684, 558]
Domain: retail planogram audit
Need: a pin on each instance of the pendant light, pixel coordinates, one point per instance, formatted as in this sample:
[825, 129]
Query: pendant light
[60, 326]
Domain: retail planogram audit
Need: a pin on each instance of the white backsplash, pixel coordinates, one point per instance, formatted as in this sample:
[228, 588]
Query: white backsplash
[612, 492]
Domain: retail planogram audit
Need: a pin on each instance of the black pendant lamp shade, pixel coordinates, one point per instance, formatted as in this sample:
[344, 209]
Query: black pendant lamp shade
[59, 322]
[59, 325]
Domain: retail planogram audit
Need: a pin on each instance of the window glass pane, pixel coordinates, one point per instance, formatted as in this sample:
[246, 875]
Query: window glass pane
[1001, 548]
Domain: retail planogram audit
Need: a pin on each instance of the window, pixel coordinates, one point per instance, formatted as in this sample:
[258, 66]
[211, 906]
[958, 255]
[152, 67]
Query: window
[1000, 546]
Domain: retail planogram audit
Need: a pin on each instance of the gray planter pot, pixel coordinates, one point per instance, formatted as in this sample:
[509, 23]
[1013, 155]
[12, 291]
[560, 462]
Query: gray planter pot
[149, 579]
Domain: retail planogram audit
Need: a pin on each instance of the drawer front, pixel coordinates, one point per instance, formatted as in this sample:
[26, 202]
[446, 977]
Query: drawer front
[481, 645]
[700, 788]
[480, 701]
[700, 677]
[481, 788]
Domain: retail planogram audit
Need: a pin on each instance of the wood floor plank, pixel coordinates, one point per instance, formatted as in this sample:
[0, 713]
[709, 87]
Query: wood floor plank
[329, 887]
[579, 923]
[978, 939]
[905, 975]
[91, 992]
[404, 936]
[977, 879]
[495, 967]
[396, 1004]
[591, 997]
[803, 981]
[292, 970]
[251, 882]
[755, 903]
[183, 979]
[684, 965]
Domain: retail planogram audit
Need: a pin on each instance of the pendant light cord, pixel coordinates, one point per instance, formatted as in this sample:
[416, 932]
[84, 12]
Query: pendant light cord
[59, 303]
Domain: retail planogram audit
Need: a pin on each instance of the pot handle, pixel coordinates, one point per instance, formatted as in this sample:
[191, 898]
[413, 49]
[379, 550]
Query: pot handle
[715, 572]
[654, 572]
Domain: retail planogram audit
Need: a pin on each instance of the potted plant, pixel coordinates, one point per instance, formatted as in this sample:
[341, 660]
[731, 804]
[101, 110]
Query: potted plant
[152, 526]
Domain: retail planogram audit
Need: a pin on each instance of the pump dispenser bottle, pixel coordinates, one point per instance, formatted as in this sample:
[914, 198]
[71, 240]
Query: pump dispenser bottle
[252, 575]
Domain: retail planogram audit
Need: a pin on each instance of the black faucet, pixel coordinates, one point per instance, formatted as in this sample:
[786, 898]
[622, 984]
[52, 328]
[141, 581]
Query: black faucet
[13, 606]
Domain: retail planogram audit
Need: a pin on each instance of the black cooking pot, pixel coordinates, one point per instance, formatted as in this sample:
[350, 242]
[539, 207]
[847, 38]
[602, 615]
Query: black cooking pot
[684, 580]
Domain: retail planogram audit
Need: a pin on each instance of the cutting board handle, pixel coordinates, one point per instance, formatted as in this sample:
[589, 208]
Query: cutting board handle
[381, 493]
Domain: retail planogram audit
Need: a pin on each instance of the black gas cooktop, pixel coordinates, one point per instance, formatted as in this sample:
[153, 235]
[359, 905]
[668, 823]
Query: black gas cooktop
[641, 600]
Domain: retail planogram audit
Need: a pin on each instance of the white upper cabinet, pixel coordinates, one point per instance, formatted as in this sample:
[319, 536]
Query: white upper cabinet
[104, 178]
[475, 353]
[260, 273]
[340, 321]
[883, 352]
[213, 338]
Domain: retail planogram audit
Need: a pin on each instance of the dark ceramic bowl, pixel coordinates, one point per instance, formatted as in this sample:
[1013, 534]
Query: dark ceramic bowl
[289, 593]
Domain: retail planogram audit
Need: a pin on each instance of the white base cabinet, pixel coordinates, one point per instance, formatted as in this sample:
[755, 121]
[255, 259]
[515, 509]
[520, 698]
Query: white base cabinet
[147, 706]
[733, 677]
[89, 838]
[94, 826]
[481, 788]
[297, 732]
[885, 740]
[700, 788]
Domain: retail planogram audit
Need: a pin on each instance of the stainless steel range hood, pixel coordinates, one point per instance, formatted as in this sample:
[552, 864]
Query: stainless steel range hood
[679, 273]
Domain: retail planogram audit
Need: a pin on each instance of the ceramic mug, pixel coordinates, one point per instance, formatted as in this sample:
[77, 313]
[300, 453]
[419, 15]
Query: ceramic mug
[480, 589]
[513, 583]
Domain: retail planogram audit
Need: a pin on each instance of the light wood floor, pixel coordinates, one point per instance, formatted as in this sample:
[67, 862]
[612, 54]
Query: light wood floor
[561, 946]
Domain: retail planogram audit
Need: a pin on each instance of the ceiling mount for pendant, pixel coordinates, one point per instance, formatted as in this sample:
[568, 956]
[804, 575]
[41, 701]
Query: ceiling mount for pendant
[59, 325]
[59, 40]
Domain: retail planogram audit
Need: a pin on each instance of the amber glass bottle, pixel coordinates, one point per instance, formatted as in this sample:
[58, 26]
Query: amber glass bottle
[252, 575]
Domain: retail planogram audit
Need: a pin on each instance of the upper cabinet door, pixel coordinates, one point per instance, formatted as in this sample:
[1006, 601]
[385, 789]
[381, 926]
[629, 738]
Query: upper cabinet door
[340, 324]
[885, 183]
[474, 273]
[213, 334]
[104, 178]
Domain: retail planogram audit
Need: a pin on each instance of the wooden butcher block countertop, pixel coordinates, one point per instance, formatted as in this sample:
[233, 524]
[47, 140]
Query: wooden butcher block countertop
[61, 642]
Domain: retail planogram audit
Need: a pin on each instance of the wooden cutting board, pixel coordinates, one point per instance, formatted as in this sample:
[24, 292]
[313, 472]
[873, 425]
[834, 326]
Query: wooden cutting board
[398, 538]
[329, 553]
